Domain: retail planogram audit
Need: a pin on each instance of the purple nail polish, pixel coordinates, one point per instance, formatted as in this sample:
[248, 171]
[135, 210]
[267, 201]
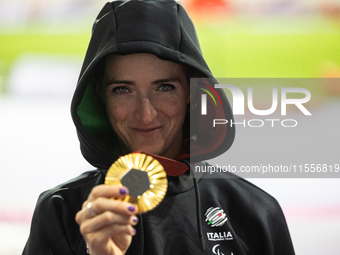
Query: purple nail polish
[135, 219]
[134, 231]
[122, 191]
[131, 208]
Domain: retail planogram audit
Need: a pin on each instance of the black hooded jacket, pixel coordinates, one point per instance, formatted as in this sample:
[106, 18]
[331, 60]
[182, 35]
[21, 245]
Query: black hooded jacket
[198, 215]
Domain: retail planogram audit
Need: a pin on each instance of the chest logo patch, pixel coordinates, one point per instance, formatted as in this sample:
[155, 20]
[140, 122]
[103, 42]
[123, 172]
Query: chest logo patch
[216, 250]
[215, 217]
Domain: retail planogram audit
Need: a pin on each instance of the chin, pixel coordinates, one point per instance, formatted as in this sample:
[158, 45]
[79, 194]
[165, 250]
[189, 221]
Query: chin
[154, 151]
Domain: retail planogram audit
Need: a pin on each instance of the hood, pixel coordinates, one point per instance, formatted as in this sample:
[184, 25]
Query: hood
[164, 29]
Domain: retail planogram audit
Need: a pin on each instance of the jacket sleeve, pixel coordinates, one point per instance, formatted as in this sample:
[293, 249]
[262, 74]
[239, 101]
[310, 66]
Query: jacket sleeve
[255, 219]
[282, 243]
[271, 229]
[53, 229]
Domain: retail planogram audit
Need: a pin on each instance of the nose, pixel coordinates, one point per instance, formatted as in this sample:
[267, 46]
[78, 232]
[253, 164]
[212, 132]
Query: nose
[145, 111]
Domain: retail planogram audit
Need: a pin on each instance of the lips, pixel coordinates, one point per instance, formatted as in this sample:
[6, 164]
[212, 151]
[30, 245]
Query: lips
[147, 131]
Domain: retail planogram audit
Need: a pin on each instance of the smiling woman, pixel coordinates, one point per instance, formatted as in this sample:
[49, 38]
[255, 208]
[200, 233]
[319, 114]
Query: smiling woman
[141, 52]
[146, 100]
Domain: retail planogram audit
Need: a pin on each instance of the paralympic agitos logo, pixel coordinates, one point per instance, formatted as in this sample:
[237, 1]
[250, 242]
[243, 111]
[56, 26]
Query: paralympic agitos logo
[239, 100]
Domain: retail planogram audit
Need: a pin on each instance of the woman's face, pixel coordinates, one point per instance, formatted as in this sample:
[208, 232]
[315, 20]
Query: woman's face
[146, 99]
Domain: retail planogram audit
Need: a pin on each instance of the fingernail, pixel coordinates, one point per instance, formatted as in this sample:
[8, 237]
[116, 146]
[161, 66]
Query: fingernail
[133, 231]
[122, 191]
[135, 219]
[131, 208]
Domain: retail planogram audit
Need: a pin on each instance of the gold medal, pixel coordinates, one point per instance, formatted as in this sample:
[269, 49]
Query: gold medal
[143, 175]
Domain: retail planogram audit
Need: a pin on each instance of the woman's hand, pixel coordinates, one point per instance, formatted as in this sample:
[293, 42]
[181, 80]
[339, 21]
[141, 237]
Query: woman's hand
[107, 225]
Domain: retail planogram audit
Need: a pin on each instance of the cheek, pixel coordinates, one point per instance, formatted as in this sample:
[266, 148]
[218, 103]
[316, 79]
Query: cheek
[175, 110]
[181, 105]
[174, 105]
[116, 113]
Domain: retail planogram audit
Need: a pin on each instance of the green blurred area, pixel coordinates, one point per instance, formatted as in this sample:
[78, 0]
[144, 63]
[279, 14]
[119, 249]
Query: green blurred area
[290, 47]
[233, 48]
[270, 55]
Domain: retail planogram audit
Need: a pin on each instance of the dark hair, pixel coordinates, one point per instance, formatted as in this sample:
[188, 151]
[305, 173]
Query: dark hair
[100, 72]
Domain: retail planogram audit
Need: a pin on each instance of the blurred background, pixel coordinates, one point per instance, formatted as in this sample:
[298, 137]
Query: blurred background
[42, 45]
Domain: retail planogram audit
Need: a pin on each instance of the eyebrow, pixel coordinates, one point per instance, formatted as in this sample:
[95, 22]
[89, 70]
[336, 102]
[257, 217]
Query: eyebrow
[166, 80]
[113, 81]
[127, 82]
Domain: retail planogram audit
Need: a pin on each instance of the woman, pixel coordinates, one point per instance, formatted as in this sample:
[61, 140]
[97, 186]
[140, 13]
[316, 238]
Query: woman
[134, 94]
